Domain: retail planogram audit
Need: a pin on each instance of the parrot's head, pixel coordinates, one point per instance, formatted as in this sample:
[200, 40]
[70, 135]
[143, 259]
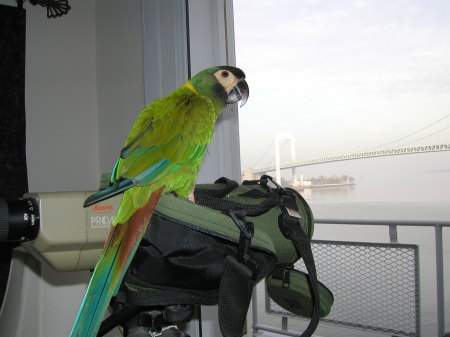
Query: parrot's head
[224, 83]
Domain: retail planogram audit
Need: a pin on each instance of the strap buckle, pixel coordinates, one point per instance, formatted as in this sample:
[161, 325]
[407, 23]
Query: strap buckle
[283, 273]
[266, 179]
[247, 230]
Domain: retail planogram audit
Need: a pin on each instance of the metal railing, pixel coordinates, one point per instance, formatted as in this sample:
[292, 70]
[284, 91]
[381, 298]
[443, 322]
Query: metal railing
[393, 238]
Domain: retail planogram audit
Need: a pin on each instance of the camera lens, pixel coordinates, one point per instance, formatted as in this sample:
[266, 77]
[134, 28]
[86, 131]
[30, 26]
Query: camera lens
[19, 220]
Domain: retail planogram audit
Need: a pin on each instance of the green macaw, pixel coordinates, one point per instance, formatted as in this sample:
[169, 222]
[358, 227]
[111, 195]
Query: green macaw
[162, 154]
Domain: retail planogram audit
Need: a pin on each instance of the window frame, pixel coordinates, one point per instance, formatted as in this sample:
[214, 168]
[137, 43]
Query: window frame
[181, 38]
[192, 35]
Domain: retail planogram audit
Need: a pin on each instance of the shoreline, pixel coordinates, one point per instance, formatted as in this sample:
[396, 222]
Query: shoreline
[325, 185]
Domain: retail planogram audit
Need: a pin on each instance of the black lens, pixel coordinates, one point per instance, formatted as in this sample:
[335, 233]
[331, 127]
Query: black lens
[19, 220]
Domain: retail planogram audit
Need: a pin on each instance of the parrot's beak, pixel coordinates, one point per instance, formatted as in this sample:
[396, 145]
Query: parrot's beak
[238, 93]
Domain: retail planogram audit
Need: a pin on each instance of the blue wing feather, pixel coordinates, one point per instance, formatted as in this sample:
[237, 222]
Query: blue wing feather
[109, 192]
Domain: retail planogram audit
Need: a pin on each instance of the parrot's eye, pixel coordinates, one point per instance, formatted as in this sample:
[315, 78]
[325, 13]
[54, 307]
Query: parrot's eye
[226, 79]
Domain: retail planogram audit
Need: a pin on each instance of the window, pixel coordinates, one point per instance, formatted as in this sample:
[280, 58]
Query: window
[349, 77]
[353, 84]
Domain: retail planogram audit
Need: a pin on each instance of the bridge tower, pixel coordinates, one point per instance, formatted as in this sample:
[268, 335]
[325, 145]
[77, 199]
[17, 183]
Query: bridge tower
[291, 138]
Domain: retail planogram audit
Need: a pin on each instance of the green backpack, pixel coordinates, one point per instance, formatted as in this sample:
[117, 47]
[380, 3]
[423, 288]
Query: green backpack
[214, 251]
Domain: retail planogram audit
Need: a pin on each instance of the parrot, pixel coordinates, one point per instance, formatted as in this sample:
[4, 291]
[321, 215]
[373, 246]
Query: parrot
[162, 154]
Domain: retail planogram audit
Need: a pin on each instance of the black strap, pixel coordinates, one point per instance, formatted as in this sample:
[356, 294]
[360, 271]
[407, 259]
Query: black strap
[214, 199]
[302, 243]
[235, 293]
[229, 185]
[237, 282]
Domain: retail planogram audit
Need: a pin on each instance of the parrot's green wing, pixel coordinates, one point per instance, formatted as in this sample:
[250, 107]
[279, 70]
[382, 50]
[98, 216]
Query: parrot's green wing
[172, 132]
[164, 148]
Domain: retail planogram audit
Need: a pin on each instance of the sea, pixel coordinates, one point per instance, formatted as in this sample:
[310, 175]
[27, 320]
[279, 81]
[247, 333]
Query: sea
[407, 187]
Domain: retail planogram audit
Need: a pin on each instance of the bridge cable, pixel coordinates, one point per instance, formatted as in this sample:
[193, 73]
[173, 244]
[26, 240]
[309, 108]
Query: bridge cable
[281, 148]
[432, 134]
[264, 154]
[413, 133]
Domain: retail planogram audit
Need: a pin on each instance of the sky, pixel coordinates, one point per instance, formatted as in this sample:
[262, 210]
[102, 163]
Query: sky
[343, 76]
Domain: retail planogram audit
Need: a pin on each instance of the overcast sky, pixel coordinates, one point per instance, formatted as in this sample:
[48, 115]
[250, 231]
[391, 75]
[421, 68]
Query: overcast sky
[343, 76]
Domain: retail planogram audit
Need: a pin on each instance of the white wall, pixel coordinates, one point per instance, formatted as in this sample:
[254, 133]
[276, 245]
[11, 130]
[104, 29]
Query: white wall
[61, 99]
[120, 74]
[84, 88]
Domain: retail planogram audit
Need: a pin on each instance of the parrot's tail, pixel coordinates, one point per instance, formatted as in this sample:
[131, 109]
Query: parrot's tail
[119, 249]
[109, 192]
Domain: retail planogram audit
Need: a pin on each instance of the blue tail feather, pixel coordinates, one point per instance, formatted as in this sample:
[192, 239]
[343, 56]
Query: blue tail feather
[109, 192]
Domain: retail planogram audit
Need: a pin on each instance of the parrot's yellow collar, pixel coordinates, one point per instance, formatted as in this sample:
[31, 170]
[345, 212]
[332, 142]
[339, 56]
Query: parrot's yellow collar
[189, 86]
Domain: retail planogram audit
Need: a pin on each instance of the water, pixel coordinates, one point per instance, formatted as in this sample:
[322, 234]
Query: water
[409, 188]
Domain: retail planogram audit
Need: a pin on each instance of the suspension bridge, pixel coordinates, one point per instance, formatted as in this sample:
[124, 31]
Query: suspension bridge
[380, 151]
[358, 155]
[253, 172]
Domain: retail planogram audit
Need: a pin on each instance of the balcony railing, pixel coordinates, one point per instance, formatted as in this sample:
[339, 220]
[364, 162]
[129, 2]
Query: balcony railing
[387, 274]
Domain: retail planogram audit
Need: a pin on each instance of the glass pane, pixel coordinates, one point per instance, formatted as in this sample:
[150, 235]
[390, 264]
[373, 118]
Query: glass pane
[356, 83]
[350, 77]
